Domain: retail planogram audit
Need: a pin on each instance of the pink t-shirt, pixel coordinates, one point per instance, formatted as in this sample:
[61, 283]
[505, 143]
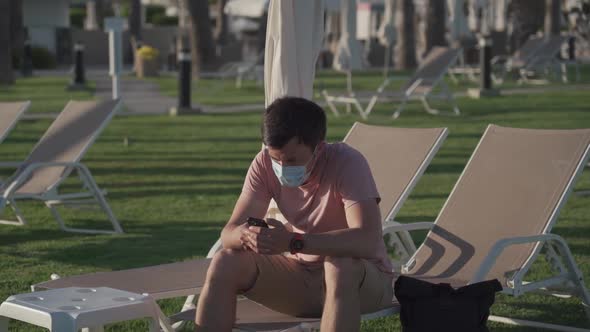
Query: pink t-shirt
[340, 178]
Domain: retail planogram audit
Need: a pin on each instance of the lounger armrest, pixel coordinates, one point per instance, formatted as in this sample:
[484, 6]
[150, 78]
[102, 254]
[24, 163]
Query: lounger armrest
[500, 59]
[498, 247]
[392, 226]
[29, 168]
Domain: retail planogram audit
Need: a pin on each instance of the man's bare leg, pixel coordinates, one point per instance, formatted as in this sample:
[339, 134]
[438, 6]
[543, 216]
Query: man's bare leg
[342, 305]
[216, 309]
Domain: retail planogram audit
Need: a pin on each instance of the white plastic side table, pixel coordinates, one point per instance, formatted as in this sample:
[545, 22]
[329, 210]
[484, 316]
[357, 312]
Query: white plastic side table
[71, 309]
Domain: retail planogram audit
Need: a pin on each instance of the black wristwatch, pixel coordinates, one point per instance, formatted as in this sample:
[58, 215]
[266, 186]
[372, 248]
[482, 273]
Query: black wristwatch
[296, 244]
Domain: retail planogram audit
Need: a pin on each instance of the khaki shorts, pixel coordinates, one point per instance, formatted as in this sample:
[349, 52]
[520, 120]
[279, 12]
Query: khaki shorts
[287, 286]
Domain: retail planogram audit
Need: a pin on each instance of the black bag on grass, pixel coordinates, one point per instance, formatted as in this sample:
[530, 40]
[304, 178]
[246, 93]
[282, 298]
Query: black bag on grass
[427, 307]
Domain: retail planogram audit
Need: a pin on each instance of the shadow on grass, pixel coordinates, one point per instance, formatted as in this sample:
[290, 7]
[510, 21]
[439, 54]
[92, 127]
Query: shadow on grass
[160, 192]
[172, 171]
[169, 241]
[571, 310]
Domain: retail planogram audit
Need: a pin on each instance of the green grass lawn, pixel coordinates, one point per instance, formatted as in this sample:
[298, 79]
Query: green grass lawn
[217, 92]
[174, 185]
[47, 94]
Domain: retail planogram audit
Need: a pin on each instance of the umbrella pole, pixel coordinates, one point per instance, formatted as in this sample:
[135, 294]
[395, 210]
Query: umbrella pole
[386, 61]
[349, 89]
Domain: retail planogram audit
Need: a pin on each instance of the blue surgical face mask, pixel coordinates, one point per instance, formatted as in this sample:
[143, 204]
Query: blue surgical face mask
[291, 176]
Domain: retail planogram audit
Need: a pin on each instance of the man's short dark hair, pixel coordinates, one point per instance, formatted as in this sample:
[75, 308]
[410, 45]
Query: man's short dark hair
[289, 117]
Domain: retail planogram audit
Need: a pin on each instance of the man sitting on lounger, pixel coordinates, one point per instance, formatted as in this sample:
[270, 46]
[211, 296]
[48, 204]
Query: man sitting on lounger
[329, 260]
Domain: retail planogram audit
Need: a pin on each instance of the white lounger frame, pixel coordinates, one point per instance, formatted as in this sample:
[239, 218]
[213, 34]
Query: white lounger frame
[558, 254]
[352, 99]
[90, 194]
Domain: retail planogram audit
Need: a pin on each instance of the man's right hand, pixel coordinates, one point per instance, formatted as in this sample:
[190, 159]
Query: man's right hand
[246, 206]
[242, 230]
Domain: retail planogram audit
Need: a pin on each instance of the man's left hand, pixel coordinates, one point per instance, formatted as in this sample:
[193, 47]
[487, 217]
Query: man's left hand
[268, 241]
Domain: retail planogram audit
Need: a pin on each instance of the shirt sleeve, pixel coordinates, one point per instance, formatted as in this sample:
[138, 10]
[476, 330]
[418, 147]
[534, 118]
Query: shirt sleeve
[355, 181]
[256, 183]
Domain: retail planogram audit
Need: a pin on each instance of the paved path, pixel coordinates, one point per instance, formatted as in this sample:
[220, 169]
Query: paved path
[139, 96]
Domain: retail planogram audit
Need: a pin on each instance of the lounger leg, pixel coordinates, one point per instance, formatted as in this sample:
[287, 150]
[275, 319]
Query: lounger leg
[349, 90]
[400, 109]
[163, 320]
[372, 103]
[375, 97]
[101, 200]
[576, 275]
[450, 98]
[20, 219]
[564, 72]
[427, 107]
[359, 108]
[189, 304]
[330, 103]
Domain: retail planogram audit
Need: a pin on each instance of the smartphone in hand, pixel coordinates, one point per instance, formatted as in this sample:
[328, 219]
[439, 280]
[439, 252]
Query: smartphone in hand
[257, 222]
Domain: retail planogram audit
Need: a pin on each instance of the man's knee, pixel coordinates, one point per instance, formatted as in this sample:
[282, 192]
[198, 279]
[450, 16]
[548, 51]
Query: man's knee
[343, 272]
[226, 262]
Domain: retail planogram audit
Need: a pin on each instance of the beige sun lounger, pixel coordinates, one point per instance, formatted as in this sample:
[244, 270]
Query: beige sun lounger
[239, 71]
[537, 54]
[10, 113]
[518, 60]
[496, 220]
[428, 76]
[547, 59]
[395, 178]
[55, 156]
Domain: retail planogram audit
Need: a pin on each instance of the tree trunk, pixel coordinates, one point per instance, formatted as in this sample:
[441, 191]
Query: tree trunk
[6, 75]
[221, 23]
[552, 17]
[525, 18]
[94, 15]
[405, 50]
[202, 44]
[435, 25]
[99, 13]
[135, 23]
[17, 30]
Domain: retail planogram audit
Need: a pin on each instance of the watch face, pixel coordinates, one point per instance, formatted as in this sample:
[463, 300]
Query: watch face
[298, 244]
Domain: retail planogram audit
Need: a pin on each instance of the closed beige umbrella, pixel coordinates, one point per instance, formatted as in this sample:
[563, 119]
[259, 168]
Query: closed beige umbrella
[293, 42]
[348, 54]
[294, 37]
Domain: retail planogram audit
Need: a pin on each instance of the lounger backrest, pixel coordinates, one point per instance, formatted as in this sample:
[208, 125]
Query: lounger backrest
[549, 49]
[527, 51]
[434, 66]
[67, 139]
[9, 114]
[514, 185]
[397, 158]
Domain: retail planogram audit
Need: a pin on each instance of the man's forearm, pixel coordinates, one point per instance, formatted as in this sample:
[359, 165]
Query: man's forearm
[351, 242]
